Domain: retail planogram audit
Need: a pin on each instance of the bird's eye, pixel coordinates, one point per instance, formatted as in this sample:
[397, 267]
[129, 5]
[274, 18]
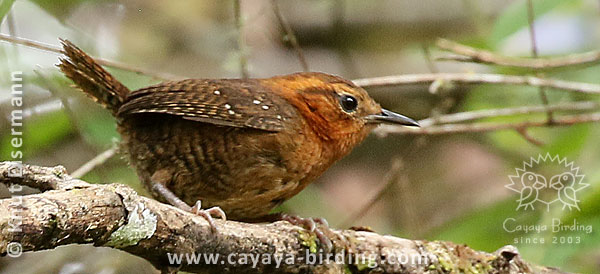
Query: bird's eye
[348, 103]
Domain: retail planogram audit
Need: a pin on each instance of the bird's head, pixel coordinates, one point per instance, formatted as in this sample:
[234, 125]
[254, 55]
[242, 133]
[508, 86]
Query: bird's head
[335, 108]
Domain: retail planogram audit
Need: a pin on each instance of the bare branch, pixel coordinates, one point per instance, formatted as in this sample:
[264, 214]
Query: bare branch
[94, 162]
[239, 24]
[473, 55]
[487, 113]
[42, 178]
[475, 78]
[531, 20]
[534, 53]
[485, 127]
[289, 32]
[391, 177]
[115, 216]
[408, 79]
[104, 62]
[51, 87]
[525, 134]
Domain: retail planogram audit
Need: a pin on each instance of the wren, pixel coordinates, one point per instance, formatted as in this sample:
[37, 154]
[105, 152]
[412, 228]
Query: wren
[242, 146]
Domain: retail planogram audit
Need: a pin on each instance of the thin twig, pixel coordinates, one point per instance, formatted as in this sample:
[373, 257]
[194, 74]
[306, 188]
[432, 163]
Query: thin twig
[446, 102]
[70, 115]
[428, 60]
[104, 62]
[407, 192]
[391, 177]
[473, 55]
[12, 31]
[477, 78]
[290, 35]
[239, 24]
[487, 127]
[94, 162]
[489, 113]
[525, 134]
[408, 79]
[337, 14]
[64, 101]
[12, 27]
[534, 53]
[51, 87]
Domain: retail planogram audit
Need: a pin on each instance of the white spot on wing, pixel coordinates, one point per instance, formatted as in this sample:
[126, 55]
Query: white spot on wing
[265, 107]
[227, 106]
[256, 102]
[217, 92]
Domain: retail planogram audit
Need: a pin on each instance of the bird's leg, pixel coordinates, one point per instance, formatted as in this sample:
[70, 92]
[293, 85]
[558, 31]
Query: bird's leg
[168, 195]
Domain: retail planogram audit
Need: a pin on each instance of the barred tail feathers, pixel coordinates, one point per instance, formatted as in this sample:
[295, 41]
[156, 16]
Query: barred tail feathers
[91, 78]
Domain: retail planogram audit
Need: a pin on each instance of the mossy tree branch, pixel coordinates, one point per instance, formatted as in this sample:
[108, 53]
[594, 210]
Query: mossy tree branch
[71, 211]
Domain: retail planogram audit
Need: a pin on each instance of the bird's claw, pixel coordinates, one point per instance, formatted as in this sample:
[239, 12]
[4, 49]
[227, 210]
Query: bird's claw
[320, 230]
[207, 214]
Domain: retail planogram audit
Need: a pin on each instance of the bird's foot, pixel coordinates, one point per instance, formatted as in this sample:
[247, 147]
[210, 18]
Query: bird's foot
[208, 213]
[168, 195]
[319, 226]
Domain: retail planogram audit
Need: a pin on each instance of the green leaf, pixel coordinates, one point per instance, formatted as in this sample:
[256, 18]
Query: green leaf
[5, 6]
[99, 128]
[514, 18]
[498, 96]
[132, 80]
[40, 133]
[116, 171]
[569, 141]
[483, 228]
[60, 9]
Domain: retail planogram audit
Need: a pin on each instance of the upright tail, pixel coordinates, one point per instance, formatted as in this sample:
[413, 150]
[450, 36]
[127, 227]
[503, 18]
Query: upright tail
[91, 78]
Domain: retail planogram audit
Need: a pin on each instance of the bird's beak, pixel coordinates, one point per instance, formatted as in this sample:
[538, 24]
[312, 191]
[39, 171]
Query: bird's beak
[390, 117]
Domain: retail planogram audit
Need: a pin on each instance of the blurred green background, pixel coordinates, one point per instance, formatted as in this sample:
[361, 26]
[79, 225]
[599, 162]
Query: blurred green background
[445, 187]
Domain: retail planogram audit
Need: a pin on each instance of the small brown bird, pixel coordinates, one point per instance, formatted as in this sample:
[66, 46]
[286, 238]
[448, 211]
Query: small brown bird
[242, 146]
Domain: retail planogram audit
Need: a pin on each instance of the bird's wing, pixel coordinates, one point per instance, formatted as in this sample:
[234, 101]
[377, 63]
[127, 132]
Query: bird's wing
[235, 103]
